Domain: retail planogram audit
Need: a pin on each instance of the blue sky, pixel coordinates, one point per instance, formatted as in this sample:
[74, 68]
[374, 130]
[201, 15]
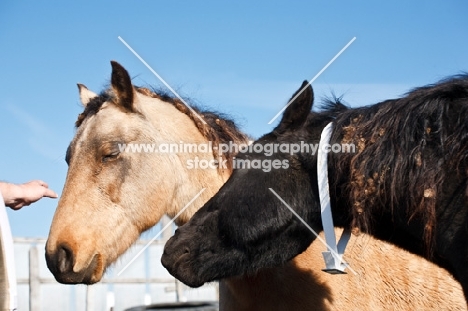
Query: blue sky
[244, 58]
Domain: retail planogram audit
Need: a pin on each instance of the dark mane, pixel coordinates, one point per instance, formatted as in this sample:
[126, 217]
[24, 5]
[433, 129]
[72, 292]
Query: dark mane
[403, 148]
[92, 107]
[218, 129]
[333, 105]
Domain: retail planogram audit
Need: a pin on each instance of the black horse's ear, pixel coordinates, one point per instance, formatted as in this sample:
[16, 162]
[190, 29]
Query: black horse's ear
[122, 85]
[299, 108]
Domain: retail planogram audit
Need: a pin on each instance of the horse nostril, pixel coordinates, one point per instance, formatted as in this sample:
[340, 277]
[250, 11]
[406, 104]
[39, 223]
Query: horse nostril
[65, 259]
[186, 250]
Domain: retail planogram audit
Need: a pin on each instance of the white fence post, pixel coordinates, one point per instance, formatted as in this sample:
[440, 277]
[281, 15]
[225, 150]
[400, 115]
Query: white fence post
[89, 298]
[167, 234]
[34, 281]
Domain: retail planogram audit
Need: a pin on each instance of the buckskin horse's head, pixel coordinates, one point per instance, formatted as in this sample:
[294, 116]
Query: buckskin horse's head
[111, 194]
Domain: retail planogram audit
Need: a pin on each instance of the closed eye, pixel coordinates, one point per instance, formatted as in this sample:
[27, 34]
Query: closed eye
[110, 151]
[110, 156]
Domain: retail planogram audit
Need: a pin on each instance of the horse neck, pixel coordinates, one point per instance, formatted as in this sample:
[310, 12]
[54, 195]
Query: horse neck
[297, 285]
[337, 176]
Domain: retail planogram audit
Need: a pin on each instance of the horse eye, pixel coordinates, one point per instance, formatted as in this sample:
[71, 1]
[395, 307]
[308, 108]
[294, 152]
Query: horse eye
[68, 155]
[111, 156]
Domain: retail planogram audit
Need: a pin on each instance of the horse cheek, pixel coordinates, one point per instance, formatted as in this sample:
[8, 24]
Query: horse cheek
[113, 191]
[115, 178]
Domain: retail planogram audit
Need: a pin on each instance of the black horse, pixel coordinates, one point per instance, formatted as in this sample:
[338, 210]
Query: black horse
[406, 182]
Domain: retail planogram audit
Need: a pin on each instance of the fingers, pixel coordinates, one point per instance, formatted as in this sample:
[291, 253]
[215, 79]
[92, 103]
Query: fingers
[45, 191]
[18, 195]
[49, 193]
[18, 205]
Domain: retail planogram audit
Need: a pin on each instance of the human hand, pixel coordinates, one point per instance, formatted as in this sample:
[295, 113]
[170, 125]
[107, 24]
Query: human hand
[18, 195]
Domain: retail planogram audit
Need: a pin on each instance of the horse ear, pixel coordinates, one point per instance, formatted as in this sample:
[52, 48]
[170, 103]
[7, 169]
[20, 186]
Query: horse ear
[122, 85]
[298, 110]
[85, 94]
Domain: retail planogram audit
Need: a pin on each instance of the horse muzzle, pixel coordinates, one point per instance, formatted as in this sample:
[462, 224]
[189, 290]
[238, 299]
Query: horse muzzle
[176, 259]
[62, 263]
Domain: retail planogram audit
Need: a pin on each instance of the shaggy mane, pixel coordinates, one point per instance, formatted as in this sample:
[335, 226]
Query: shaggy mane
[403, 148]
[218, 129]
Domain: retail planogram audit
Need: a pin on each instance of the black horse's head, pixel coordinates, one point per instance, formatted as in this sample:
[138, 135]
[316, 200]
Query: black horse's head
[245, 226]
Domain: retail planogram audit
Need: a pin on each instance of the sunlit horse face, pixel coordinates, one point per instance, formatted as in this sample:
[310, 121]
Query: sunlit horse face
[244, 227]
[111, 196]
